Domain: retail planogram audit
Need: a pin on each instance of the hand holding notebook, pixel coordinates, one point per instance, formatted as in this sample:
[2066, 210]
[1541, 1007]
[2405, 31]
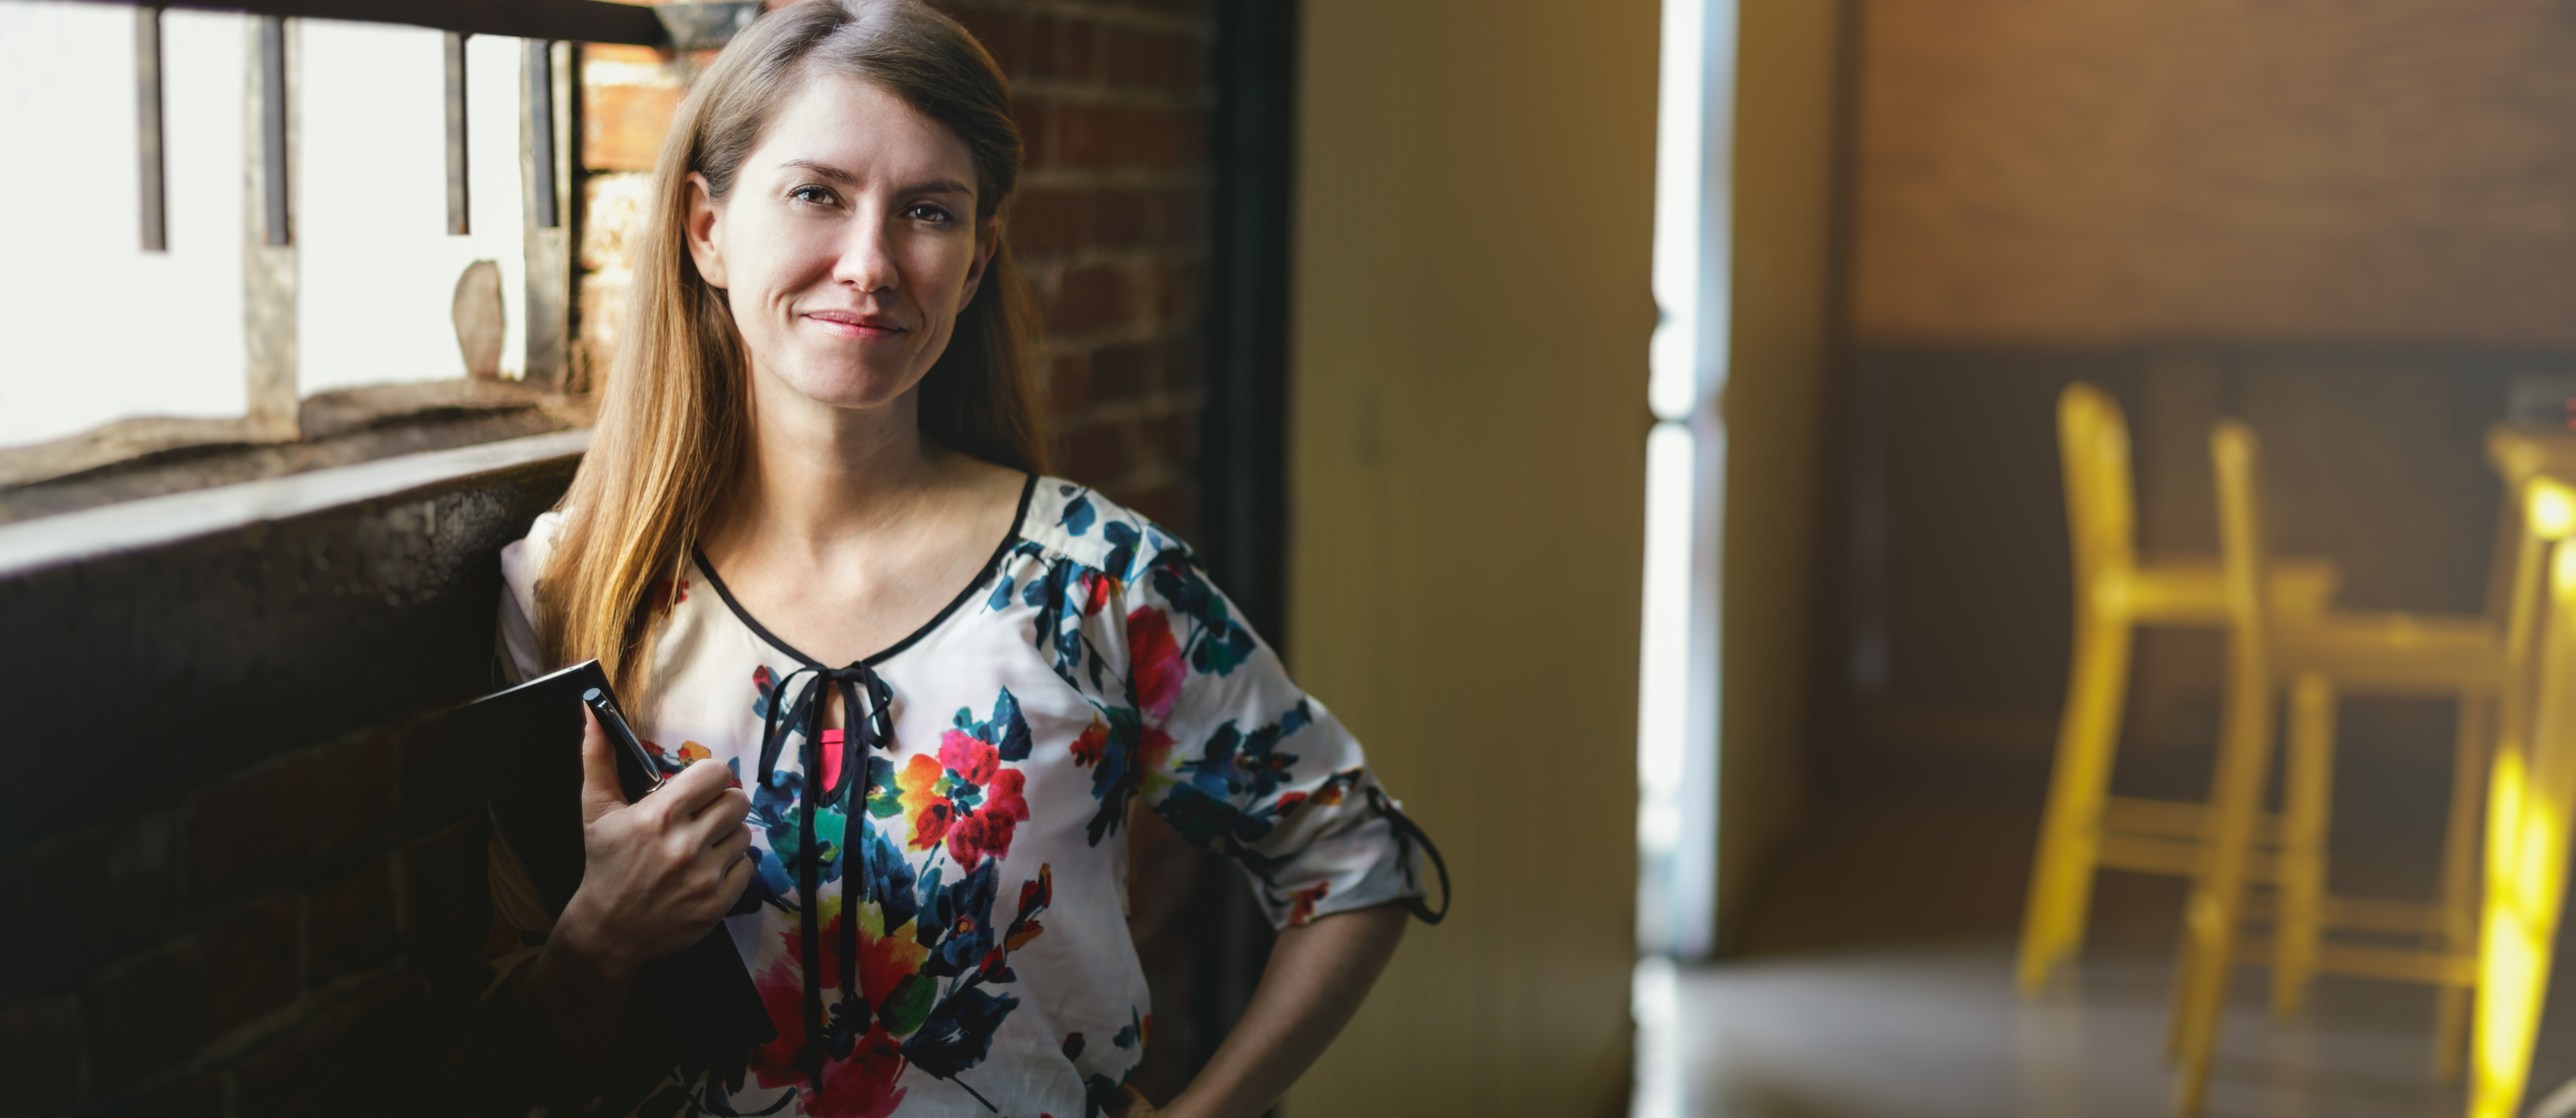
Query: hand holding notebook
[660, 871]
[635, 870]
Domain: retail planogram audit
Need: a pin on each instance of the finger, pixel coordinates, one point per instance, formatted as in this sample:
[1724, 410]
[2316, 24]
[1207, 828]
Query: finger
[737, 877]
[725, 813]
[599, 792]
[690, 792]
[732, 843]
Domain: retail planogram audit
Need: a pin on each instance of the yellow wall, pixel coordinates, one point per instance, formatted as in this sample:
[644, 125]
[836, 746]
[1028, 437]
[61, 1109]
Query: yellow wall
[1473, 226]
[1786, 99]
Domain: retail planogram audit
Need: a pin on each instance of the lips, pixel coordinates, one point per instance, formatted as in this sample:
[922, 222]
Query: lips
[855, 324]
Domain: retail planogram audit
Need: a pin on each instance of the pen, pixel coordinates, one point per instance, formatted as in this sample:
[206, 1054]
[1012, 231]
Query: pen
[623, 735]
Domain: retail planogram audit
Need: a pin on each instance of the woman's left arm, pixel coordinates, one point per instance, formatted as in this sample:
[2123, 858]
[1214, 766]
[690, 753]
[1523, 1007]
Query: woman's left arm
[1317, 976]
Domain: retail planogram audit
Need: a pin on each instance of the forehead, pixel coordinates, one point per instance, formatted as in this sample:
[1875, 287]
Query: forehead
[863, 129]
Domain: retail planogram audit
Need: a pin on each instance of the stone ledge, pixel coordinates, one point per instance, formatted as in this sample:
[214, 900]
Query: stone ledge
[149, 457]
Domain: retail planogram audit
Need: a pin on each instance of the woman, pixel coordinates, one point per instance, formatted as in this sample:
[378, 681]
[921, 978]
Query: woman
[810, 537]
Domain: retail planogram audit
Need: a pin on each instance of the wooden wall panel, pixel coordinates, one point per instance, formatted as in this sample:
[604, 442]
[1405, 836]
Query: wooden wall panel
[1475, 179]
[2038, 171]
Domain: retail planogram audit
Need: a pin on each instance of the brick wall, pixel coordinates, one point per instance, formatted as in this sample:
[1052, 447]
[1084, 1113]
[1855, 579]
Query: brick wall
[242, 875]
[295, 938]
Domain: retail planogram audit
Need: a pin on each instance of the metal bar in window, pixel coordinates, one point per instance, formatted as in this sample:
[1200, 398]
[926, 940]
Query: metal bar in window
[147, 102]
[541, 132]
[458, 222]
[272, 126]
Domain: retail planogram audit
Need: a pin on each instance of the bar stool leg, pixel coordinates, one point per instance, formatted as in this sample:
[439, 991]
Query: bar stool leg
[2307, 810]
[2460, 879]
[2526, 881]
[2216, 908]
[2061, 884]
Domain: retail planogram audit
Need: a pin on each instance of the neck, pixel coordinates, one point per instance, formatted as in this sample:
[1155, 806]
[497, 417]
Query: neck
[818, 478]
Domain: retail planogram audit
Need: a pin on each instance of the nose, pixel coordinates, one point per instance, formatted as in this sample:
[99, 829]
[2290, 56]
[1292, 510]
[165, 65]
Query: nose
[866, 262]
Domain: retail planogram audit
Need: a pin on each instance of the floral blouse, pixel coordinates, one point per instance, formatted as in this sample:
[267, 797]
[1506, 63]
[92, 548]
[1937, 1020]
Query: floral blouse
[964, 891]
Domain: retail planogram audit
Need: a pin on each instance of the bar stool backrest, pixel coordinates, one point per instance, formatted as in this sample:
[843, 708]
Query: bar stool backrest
[2101, 502]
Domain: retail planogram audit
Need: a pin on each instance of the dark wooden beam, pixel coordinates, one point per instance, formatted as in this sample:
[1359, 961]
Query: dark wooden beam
[591, 21]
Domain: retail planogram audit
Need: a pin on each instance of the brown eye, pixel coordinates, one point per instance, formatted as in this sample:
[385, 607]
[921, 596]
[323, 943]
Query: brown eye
[814, 194]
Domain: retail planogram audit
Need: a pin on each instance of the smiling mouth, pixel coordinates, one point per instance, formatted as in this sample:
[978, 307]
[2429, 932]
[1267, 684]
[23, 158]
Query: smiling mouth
[855, 325]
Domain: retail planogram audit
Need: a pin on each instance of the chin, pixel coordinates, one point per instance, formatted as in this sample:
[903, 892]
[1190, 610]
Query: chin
[850, 387]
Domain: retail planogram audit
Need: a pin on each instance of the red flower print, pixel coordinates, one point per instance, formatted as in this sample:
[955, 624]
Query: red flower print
[1301, 906]
[925, 803]
[1154, 660]
[862, 1086]
[988, 829]
[1097, 588]
[1086, 749]
[971, 759]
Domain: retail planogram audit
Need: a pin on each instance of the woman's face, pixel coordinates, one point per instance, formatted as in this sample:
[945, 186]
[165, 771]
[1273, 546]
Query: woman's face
[847, 245]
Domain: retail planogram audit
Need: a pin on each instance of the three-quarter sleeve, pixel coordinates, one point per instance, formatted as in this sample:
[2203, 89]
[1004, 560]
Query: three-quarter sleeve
[1239, 760]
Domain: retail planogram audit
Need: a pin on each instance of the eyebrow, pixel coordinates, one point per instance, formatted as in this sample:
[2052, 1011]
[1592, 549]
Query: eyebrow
[931, 186]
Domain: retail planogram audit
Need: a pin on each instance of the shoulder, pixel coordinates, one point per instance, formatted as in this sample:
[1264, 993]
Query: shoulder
[1075, 522]
[523, 560]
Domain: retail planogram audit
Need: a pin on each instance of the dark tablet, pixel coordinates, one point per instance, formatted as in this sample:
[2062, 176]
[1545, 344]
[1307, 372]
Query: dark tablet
[529, 740]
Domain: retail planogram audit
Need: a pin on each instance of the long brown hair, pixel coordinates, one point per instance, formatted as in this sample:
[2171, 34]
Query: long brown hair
[675, 419]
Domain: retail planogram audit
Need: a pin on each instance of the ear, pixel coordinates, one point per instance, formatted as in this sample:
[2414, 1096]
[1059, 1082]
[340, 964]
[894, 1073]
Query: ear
[985, 245]
[700, 229]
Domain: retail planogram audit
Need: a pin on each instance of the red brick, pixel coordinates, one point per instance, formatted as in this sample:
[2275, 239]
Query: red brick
[1091, 297]
[447, 895]
[250, 825]
[436, 792]
[110, 889]
[1167, 138]
[1069, 384]
[40, 1055]
[353, 784]
[1036, 122]
[250, 962]
[352, 923]
[1046, 47]
[1169, 438]
[1125, 218]
[1096, 454]
[1003, 34]
[1046, 222]
[1121, 372]
[350, 1049]
[1086, 45]
[144, 1015]
[1088, 135]
[1158, 504]
[1178, 291]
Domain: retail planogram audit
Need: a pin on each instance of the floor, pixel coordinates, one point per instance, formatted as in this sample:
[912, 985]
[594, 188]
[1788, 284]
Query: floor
[1877, 983]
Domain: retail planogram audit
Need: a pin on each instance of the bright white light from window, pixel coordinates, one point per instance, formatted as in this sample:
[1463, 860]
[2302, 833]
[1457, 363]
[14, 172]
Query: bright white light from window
[1664, 692]
[1678, 645]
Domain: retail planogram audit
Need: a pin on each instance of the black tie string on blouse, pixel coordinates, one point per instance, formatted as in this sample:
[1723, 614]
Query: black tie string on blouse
[874, 731]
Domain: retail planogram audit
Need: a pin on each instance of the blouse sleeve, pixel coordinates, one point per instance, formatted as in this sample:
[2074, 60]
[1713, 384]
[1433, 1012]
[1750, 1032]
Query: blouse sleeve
[515, 638]
[1239, 760]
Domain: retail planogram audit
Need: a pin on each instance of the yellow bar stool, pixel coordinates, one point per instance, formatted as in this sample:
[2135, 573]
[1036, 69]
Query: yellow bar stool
[2322, 654]
[2532, 797]
[2085, 828]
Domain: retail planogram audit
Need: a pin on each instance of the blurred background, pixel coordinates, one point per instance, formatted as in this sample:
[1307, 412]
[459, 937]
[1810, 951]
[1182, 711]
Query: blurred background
[1642, 423]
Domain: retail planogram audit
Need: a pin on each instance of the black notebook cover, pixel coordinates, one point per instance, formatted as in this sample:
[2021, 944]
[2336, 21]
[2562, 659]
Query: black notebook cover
[530, 737]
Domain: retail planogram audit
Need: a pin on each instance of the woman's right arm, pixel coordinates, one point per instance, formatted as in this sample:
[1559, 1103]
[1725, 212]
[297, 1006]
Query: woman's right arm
[655, 876]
